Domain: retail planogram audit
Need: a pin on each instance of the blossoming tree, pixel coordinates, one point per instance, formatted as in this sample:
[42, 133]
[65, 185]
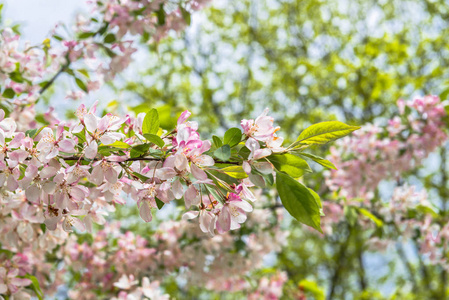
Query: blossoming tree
[332, 61]
[59, 176]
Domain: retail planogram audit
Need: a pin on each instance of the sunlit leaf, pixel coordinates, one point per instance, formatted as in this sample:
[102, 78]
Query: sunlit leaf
[290, 164]
[151, 122]
[298, 201]
[325, 132]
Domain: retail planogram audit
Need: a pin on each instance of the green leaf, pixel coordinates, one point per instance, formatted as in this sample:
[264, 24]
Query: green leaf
[119, 144]
[69, 71]
[85, 35]
[109, 39]
[160, 15]
[185, 15]
[155, 139]
[9, 254]
[213, 192]
[43, 227]
[313, 288]
[33, 133]
[318, 201]
[35, 286]
[244, 153]
[290, 164]
[81, 136]
[372, 217]
[317, 197]
[319, 160]
[351, 215]
[223, 153]
[324, 132]
[58, 38]
[159, 203]
[140, 176]
[217, 141]
[103, 29]
[235, 172]
[30, 132]
[424, 209]
[139, 150]
[298, 201]
[81, 84]
[232, 137]
[109, 52]
[8, 93]
[151, 122]
[16, 76]
[84, 72]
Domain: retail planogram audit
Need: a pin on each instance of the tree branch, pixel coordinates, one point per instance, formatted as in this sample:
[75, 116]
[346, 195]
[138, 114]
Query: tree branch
[52, 80]
[70, 158]
[341, 258]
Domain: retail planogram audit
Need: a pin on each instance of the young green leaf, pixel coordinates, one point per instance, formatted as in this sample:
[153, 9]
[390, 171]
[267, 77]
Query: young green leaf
[9, 93]
[81, 84]
[318, 201]
[81, 136]
[109, 39]
[85, 35]
[244, 153]
[139, 150]
[140, 176]
[235, 172]
[298, 201]
[313, 288]
[290, 164]
[372, 217]
[155, 139]
[35, 286]
[160, 15]
[33, 133]
[232, 137]
[119, 144]
[223, 153]
[319, 160]
[424, 209]
[324, 132]
[151, 122]
[185, 15]
[159, 203]
[217, 141]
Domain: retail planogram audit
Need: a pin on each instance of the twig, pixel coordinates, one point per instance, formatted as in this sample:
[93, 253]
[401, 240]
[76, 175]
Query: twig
[69, 158]
[340, 262]
[52, 80]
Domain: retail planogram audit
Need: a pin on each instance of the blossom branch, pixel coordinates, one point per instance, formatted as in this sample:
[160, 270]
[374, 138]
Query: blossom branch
[71, 158]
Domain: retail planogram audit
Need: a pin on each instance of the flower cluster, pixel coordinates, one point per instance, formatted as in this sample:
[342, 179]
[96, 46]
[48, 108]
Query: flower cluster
[97, 47]
[379, 153]
[118, 262]
[82, 168]
[59, 176]
[121, 270]
[73, 174]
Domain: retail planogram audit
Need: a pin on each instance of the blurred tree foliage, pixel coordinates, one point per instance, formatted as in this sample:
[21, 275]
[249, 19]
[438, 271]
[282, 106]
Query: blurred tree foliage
[309, 61]
[306, 60]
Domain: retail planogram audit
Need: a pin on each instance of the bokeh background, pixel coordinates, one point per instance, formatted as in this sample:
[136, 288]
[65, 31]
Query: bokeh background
[308, 61]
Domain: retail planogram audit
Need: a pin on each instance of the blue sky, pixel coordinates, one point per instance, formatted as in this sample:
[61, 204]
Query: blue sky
[38, 17]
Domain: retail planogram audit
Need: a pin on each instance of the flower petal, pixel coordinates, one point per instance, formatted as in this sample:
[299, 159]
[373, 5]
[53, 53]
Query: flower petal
[145, 211]
[197, 172]
[190, 215]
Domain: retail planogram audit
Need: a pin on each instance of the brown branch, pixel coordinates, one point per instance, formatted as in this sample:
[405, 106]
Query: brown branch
[52, 80]
[70, 158]
[340, 259]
